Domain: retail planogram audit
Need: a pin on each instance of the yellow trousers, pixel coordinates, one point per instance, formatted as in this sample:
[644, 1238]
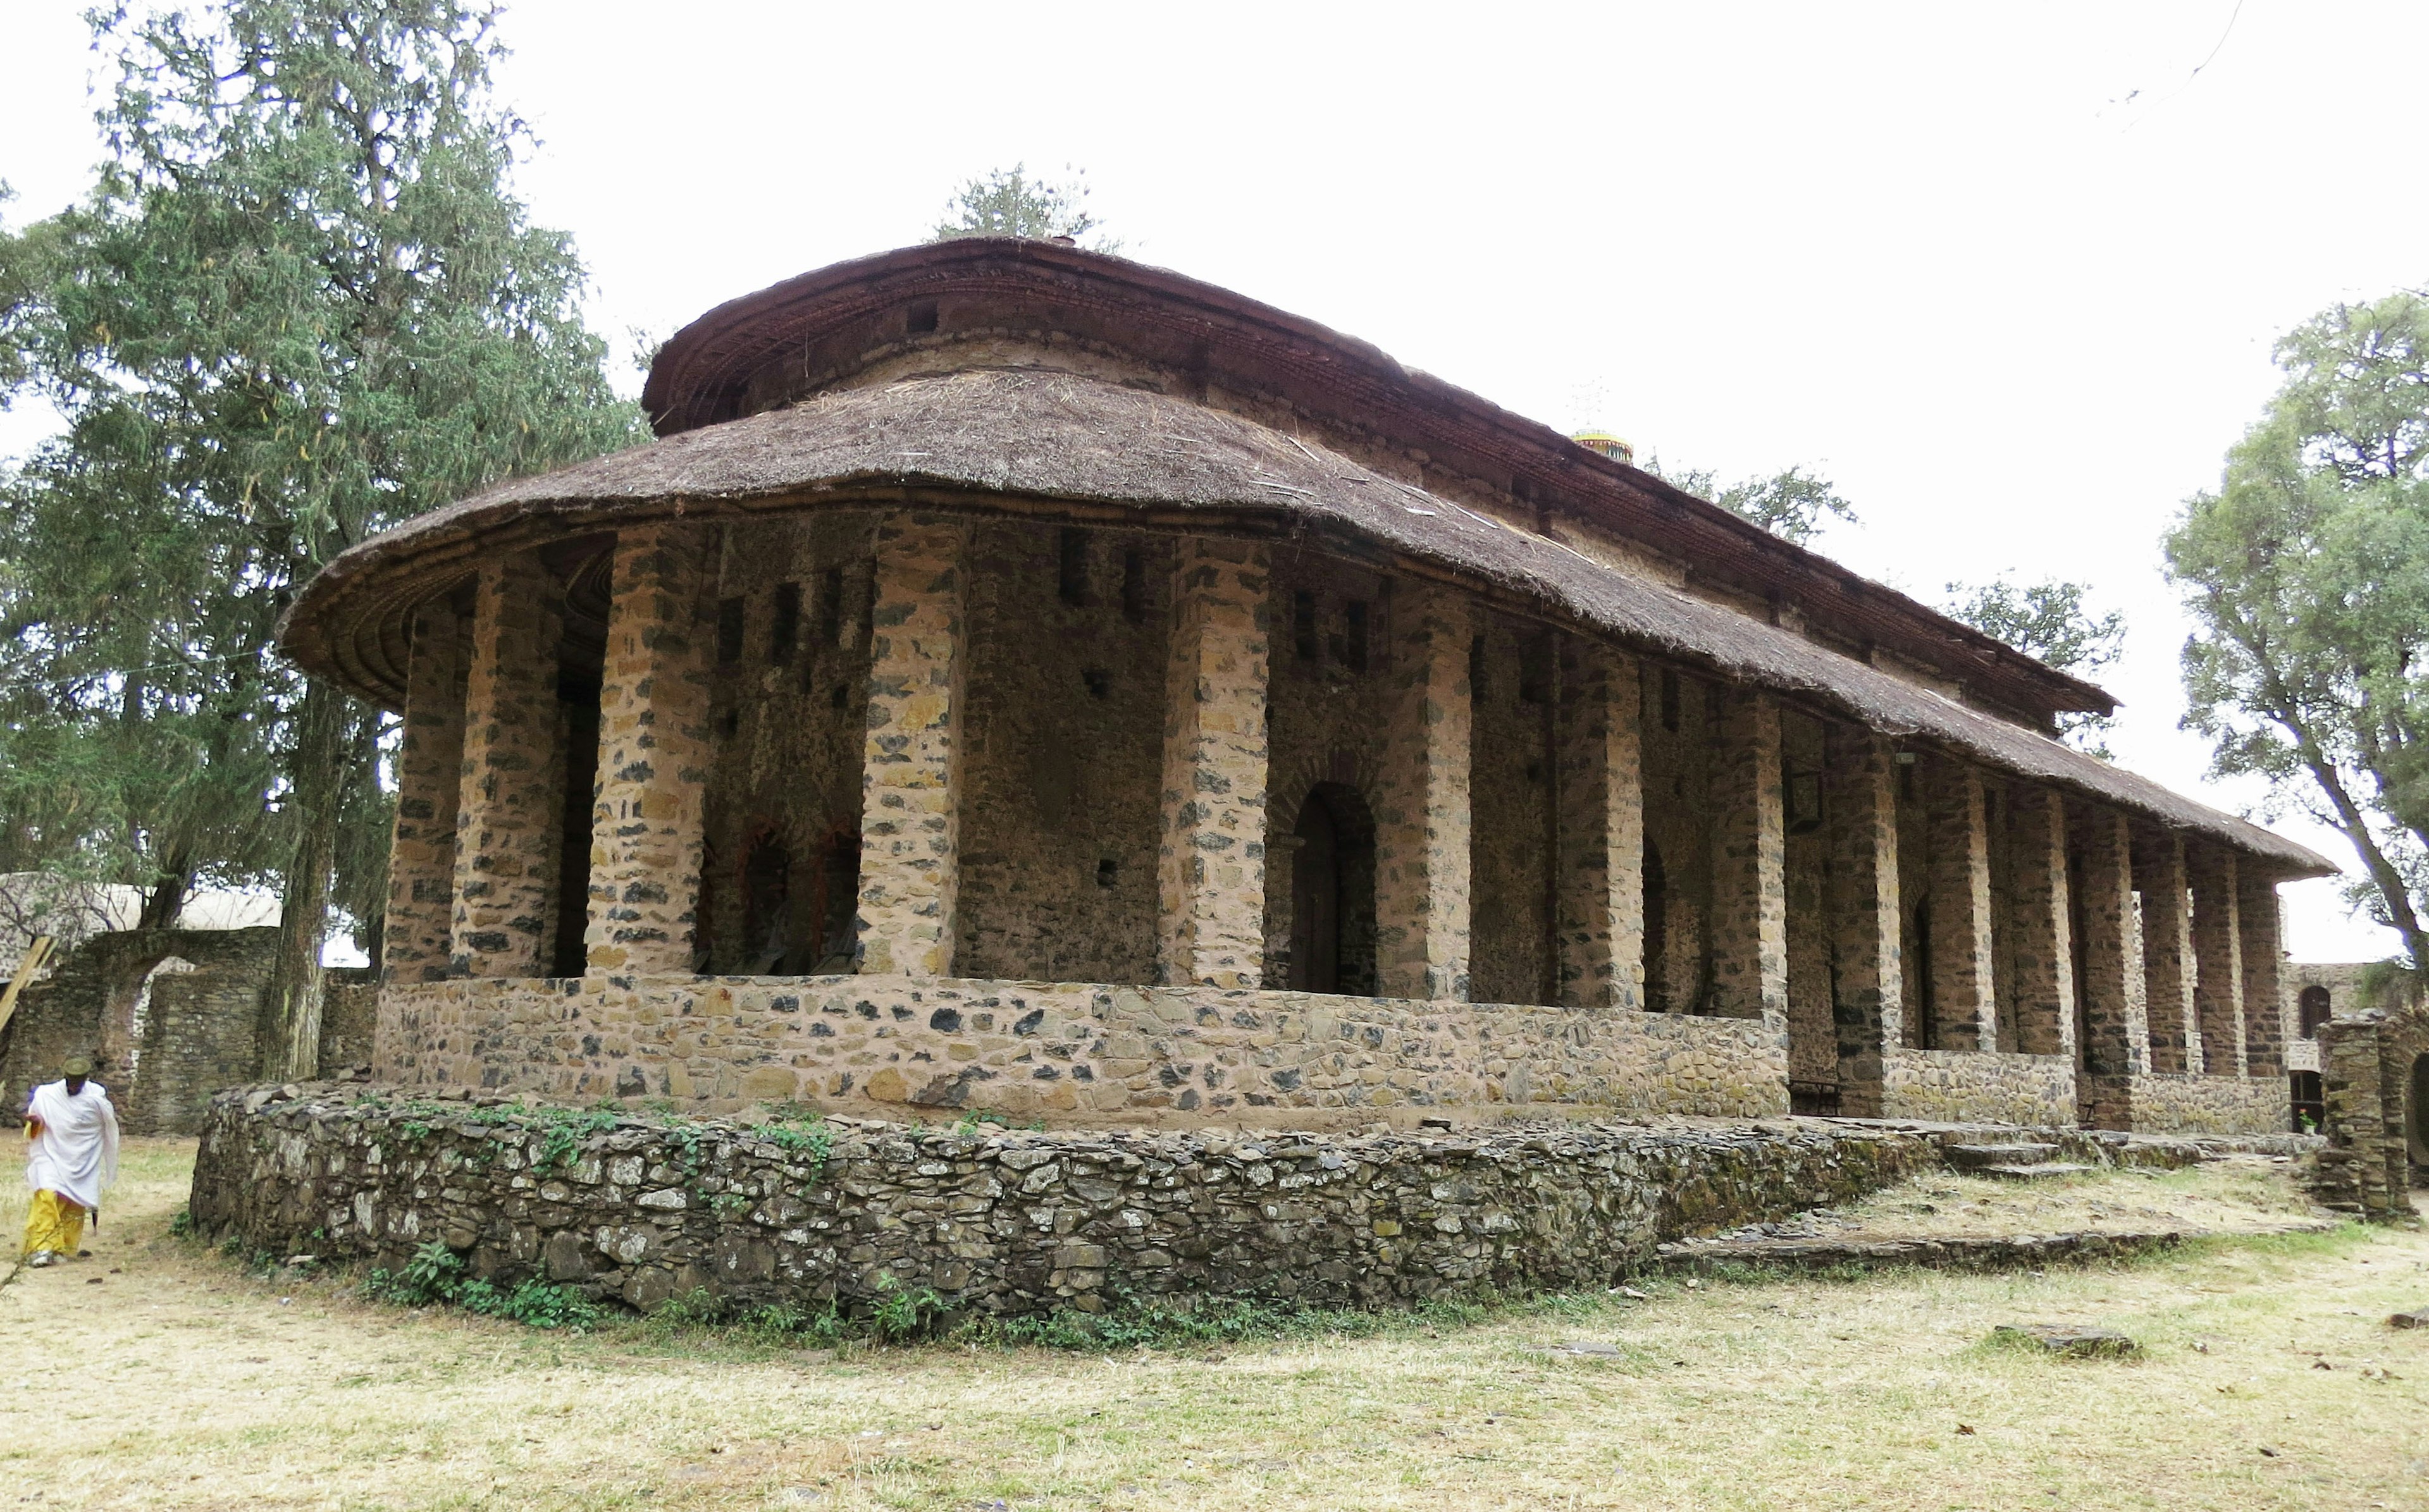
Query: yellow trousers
[54, 1223]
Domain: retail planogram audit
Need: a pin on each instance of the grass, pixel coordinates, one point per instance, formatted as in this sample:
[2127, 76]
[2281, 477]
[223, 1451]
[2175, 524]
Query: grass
[197, 1384]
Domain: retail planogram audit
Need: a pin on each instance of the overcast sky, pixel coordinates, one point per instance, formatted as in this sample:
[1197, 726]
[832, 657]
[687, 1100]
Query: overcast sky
[2008, 275]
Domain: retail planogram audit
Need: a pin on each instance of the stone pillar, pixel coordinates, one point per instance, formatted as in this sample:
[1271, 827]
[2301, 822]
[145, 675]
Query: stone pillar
[2043, 926]
[2115, 1011]
[418, 933]
[1749, 861]
[648, 822]
[1421, 829]
[1600, 896]
[509, 816]
[910, 780]
[1963, 967]
[1869, 1006]
[2264, 978]
[1210, 868]
[2217, 950]
[2168, 958]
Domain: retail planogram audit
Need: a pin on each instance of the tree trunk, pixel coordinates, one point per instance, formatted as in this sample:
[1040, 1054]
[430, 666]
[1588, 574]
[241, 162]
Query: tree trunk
[291, 1006]
[166, 897]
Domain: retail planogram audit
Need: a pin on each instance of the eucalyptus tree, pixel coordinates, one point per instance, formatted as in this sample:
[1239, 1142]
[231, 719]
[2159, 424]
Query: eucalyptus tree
[1011, 202]
[2308, 575]
[301, 304]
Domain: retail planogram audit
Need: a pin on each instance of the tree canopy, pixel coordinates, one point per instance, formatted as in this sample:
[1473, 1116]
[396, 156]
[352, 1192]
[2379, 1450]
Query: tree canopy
[2308, 575]
[1008, 201]
[2049, 621]
[300, 305]
[1790, 504]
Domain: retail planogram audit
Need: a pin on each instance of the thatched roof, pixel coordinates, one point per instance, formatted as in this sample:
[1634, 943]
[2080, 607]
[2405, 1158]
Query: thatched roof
[1072, 447]
[818, 331]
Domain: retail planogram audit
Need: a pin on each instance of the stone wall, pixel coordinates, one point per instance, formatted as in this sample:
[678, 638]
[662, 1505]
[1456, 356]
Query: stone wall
[1031, 1048]
[999, 1222]
[2183, 1103]
[2375, 1079]
[162, 1051]
[1969, 1086]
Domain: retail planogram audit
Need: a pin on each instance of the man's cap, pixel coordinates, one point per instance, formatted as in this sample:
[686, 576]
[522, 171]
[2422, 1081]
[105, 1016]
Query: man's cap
[77, 1065]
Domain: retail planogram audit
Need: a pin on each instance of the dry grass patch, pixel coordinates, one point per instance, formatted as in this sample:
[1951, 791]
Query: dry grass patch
[183, 1383]
[2240, 1192]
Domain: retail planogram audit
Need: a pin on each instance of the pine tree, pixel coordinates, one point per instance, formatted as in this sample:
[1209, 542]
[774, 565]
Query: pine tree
[300, 305]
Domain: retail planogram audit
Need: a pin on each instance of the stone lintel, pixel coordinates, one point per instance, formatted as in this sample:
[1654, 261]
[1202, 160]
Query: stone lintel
[1422, 819]
[647, 835]
[1211, 864]
[910, 828]
[1600, 926]
[418, 931]
[1861, 808]
[509, 805]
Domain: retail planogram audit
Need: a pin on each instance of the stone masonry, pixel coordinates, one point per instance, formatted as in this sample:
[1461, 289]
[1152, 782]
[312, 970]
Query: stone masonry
[910, 838]
[1600, 926]
[1211, 870]
[420, 924]
[1749, 855]
[1422, 835]
[1003, 1222]
[509, 813]
[646, 828]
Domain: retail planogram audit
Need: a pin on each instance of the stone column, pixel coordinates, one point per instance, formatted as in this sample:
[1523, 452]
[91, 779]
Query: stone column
[417, 935]
[2043, 925]
[1421, 829]
[1749, 860]
[509, 816]
[2116, 1012]
[2218, 949]
[1869, 1009]
[648, 822]
[2264, 979]
[2168, 958]
[1211, 867]
[1963, 967]
[1600, 894]
[910, 780]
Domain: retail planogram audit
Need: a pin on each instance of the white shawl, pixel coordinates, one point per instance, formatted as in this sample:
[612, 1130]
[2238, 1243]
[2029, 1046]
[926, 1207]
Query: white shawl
[76, 1154]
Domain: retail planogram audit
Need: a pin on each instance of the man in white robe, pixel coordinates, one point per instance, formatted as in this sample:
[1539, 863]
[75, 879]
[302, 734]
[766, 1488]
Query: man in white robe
[73, 1160]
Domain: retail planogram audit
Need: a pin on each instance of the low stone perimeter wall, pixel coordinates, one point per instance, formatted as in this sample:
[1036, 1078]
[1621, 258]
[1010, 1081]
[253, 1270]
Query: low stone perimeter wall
[1005, 1221]
[1971, 1087]
[860, 1044]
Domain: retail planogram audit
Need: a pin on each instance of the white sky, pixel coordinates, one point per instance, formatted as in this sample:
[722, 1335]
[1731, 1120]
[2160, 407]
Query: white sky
[2008, 276]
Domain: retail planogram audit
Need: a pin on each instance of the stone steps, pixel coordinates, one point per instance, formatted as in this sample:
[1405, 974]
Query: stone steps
[1993, 1157]
[1957, 1252]
[2033, 1172]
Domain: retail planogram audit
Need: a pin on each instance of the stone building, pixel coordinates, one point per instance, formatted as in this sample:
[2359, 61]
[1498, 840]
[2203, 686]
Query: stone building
[168, 1017]
[1021, 679]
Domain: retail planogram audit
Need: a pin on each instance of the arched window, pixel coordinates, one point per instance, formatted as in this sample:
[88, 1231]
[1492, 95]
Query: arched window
[2315, 1008]
[1333, 894]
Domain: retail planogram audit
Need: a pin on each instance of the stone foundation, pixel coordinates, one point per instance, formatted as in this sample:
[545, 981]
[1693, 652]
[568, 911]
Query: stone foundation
[864, 1045]
[1002, 1221]
[1969, 1086]
[2183, 1103]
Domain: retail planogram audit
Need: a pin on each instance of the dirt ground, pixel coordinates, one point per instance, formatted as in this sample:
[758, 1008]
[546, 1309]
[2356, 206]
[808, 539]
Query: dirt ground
[155, 1375]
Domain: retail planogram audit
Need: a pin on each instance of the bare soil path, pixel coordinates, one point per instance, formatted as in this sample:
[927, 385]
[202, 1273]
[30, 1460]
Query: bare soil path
[156, 1375]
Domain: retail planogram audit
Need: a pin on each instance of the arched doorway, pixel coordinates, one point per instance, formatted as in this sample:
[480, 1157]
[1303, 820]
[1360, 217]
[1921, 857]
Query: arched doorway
[1656, 930]
[2316, 1009]
[1333, 894]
